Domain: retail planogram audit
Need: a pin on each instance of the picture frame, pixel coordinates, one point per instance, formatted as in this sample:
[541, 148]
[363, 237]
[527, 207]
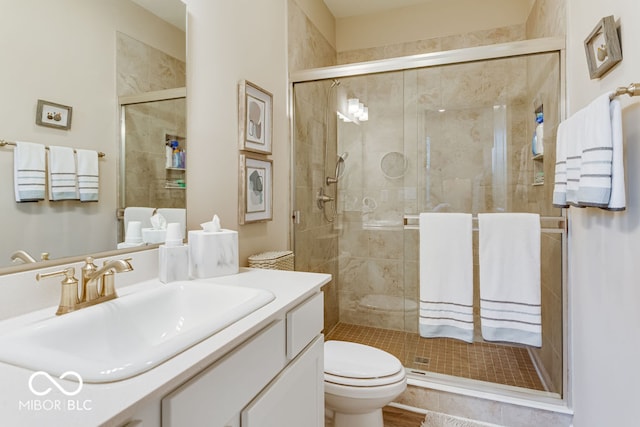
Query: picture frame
[53, 115]
[602, 47]
[255, 113]
[256, 189]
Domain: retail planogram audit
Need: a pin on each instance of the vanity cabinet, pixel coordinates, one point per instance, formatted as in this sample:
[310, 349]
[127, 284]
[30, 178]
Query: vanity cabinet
[275, 378]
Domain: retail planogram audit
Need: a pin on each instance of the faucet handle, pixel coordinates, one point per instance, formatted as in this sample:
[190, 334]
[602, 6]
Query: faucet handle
[69, 296]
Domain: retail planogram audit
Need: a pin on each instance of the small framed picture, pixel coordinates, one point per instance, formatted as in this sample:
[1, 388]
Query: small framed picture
[255, 107]
[53, 115]
[602, 47]
[256, 186]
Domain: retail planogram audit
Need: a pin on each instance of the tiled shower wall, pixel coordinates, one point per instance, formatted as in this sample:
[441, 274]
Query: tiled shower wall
[316, 240]
[142, 68]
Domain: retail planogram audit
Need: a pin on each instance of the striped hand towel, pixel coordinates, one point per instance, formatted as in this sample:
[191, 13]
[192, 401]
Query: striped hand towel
[509, 251]
[594, 188]
[446, 276]
[88, 175]
[29, 172]
[62, 174]
[618, 200]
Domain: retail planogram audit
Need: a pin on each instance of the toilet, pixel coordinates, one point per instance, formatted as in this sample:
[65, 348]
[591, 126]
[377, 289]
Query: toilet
[358, 381]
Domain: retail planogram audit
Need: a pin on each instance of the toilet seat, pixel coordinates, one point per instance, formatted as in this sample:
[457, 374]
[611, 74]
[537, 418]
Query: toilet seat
[357, 365]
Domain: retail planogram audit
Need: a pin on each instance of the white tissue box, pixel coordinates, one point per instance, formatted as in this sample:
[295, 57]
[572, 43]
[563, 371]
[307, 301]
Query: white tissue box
[213, 254]
[151, 235]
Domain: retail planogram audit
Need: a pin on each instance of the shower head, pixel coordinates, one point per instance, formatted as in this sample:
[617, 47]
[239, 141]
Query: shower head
[339, 169]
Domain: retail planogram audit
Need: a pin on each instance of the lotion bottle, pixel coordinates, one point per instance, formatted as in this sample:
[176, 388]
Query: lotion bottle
[173, 262]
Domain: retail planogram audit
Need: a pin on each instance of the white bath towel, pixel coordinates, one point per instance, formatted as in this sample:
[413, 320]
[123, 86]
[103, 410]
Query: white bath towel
[88, 175]
[135, 213]
[509, 251]
[446, 276]
[618, 200]
[29, 172]
[175, 215]
[63, 180]
[594, 188]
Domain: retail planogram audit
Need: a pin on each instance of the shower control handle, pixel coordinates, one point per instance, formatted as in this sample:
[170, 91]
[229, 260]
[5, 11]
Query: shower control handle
[322, 198]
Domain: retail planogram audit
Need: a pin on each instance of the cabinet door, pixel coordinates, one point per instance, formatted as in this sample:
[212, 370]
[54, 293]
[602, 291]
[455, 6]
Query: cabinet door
[295, 397]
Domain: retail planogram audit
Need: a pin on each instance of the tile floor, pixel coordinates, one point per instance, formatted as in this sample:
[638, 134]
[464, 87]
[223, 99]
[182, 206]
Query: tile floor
[502, 364]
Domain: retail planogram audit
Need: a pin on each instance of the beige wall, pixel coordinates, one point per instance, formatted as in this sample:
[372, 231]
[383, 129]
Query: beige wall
[427, 20]
[229, 42]
[604, 246]
[65, 52]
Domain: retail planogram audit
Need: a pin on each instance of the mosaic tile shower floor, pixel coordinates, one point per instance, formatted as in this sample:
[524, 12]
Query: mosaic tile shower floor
[482, 361]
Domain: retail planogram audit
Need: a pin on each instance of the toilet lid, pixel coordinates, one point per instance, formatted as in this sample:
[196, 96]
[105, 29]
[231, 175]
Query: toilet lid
[352, 360]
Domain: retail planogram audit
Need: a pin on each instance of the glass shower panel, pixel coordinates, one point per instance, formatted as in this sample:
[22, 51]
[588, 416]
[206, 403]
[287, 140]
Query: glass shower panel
[471, 146]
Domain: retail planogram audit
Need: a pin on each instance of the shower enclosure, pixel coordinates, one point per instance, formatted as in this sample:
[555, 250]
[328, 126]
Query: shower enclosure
[445, 132]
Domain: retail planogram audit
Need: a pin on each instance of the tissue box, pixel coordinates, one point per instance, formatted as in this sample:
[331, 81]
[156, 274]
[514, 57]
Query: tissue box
[152, 236]
[213, 254]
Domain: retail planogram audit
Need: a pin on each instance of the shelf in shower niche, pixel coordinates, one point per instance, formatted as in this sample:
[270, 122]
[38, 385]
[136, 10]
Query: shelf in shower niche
[176, 169]
[174, 187]
[538, 157]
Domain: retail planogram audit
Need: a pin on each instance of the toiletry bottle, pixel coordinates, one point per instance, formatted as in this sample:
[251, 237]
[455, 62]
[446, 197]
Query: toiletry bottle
[539, 133]
[173, 256]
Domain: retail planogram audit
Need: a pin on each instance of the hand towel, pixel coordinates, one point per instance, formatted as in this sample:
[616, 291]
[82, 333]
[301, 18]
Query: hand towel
[88, 175]
[175, 215]
[594, 188]
[446, 276]
[142, 214]
[62, 174]
[509, 252]
[560, 184]
[29, 172]
[618, 201]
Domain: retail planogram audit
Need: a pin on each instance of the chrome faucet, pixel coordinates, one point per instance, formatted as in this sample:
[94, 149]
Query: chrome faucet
[98, 284]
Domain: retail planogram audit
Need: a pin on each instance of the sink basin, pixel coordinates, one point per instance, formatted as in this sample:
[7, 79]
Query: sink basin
[124, 337]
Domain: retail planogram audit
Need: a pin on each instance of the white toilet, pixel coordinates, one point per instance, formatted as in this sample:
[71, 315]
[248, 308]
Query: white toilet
[358, 381]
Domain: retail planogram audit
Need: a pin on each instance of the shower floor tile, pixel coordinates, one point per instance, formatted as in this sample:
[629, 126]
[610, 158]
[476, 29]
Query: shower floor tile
[501, 364]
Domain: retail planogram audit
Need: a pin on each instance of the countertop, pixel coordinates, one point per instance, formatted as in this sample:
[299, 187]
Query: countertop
[115, 403]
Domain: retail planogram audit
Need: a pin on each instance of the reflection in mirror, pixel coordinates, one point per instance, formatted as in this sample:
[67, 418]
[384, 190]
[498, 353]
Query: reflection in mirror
[153, 167]
[83, 56]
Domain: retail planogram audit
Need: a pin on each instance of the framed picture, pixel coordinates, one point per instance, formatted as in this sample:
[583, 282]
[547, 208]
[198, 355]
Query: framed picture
[255, 106]
[53, 115]
[256, 187]
[602, 47]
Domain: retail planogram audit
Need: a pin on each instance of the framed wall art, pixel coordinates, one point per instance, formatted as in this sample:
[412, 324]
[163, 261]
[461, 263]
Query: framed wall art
[602, 47]
[255, 106]
[256, 189]
[53, 115]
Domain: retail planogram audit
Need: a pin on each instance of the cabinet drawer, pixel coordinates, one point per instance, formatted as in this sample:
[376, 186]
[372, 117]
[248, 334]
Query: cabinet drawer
[217, 394]
[304, 323]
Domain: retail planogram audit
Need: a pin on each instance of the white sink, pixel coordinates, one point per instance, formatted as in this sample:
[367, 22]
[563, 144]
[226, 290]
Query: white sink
[124, 337]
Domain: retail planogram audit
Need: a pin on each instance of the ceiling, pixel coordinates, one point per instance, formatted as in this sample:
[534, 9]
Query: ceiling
[345, 8]
[172, 11]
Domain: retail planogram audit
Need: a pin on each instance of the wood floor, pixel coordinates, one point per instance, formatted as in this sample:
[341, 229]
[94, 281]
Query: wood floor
[394, 417]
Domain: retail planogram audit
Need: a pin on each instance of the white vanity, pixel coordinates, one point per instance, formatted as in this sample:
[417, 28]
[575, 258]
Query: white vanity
[265, 369]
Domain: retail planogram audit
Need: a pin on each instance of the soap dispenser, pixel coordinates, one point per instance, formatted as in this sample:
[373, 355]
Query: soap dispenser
[173, 256]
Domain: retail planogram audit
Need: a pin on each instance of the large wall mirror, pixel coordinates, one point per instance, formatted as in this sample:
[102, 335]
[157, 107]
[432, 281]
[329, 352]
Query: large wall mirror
[88, 57]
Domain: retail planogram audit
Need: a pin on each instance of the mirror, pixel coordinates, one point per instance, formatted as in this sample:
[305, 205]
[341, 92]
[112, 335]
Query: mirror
[85, 58]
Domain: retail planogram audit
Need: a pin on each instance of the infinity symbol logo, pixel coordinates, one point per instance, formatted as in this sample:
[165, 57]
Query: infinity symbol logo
[55, 383]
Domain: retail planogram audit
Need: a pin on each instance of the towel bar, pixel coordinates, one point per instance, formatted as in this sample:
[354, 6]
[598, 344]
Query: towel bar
[4, 142]
[632, 90]
[552, 224]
